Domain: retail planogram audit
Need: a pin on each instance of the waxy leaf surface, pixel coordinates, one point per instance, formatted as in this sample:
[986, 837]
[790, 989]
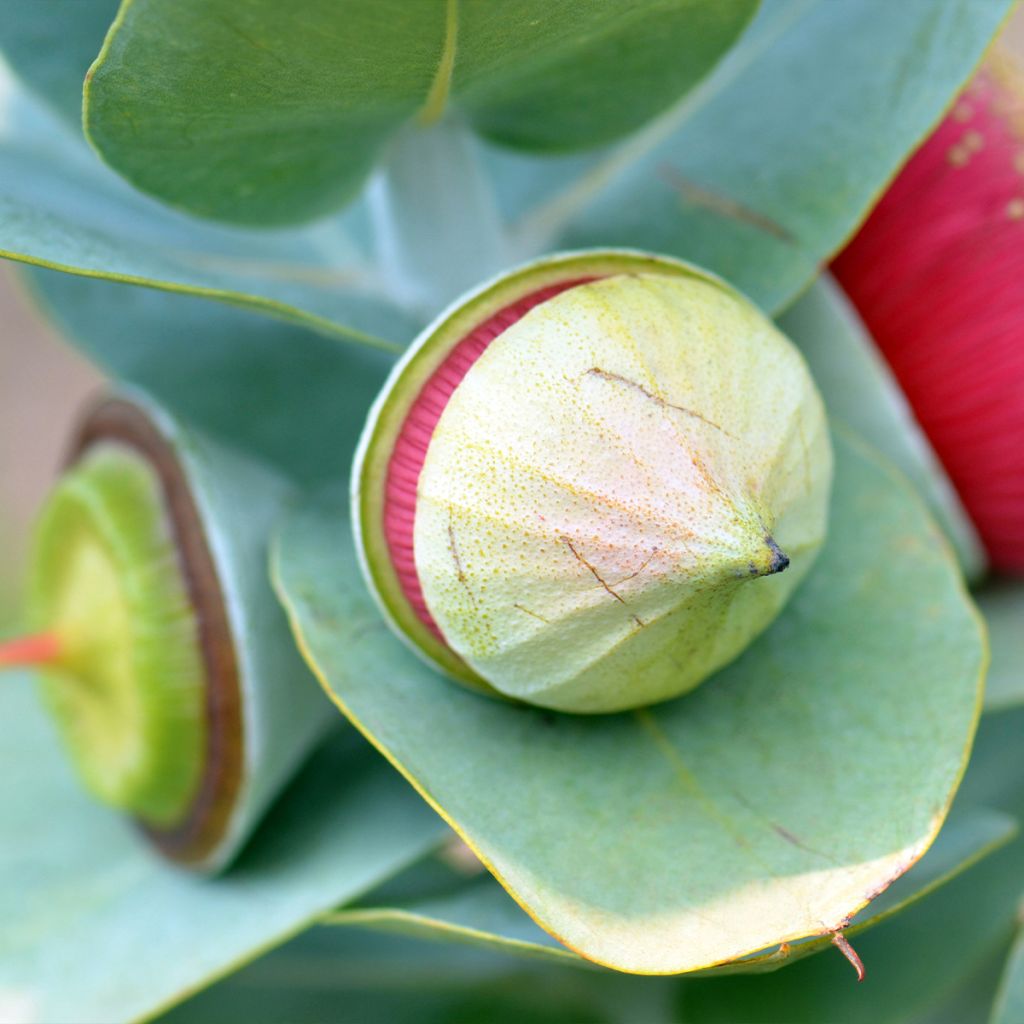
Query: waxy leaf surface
[920, 962]
[261, 113]
[61, 208]
[691, 834]
[766, 168]
[98, 929]
[274, 390]
[479, 912]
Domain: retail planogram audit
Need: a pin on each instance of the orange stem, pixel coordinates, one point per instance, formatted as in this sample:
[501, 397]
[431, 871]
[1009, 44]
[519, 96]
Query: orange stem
[41, 649]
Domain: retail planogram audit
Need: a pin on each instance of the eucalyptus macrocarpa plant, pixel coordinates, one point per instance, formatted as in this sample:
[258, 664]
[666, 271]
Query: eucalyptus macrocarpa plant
[510, 270]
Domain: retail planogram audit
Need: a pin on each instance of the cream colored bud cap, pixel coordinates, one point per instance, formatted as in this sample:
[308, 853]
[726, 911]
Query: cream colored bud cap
[613, 488]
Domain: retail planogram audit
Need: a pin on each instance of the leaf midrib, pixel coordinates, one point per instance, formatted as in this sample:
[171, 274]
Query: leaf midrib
[440, 88]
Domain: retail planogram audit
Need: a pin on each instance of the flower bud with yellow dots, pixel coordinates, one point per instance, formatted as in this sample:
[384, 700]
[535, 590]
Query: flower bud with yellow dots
[582, 484]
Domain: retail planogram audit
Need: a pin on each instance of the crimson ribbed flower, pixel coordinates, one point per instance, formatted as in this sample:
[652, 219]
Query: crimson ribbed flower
[937, 273]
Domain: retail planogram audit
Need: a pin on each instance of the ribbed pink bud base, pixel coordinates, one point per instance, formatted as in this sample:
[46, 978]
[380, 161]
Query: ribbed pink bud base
[410, 452]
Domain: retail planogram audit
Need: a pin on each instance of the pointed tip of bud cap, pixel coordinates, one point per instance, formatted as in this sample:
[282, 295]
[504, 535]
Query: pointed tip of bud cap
[768, 560]
[779, 560]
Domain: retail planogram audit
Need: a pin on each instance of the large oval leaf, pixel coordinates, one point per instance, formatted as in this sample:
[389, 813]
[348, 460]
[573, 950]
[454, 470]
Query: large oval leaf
[765, 169]
[919, 960]
[256, 113]
[692, 833]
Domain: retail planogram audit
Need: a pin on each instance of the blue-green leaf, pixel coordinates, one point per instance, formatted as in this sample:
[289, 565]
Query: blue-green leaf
[275, 390]
[480, 912]
[98, 929]
[355, 976]
[918, 962]
[61, 208]
[1009, 1005]
[51, 43]
[765, 169]
[690, 834]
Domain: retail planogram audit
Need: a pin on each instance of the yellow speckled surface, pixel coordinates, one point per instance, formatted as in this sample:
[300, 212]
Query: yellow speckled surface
[596, 505]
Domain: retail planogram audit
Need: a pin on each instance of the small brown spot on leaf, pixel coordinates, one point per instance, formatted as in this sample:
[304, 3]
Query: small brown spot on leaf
[787, 835]
[796, 841]
[725, 206]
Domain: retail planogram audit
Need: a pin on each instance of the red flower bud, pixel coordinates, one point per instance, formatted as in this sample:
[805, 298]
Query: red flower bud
[937, 273]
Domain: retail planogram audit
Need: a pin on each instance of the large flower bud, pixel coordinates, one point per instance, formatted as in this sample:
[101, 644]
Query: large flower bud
[581, 485]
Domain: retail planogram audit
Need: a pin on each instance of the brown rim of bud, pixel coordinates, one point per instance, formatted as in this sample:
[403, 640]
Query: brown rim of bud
[191, 840]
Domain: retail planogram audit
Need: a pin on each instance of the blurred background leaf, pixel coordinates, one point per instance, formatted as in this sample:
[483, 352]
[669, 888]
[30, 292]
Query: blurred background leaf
[278, 391]
[1009, 1005]
[1002, 604]
[50, 44]
[351, 976]
[61, 208]
[760, 173]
